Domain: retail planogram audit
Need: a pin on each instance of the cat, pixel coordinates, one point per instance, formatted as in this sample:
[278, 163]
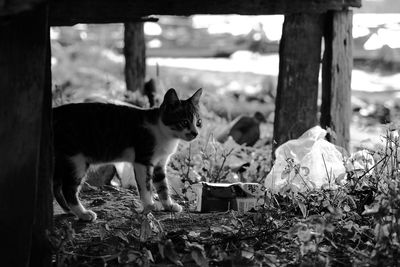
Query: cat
[98, 133]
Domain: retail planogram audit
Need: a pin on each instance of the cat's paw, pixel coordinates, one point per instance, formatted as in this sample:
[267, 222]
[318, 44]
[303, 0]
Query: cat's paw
[88, 216]
[174, 207]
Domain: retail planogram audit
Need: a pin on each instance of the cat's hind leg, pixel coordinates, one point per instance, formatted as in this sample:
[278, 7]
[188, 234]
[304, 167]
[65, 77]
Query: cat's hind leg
[59, 196]
[59, 172]
[161, 184]
[74, 170]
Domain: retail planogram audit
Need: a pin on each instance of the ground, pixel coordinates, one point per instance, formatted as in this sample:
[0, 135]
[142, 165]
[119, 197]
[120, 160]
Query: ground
[121, 236]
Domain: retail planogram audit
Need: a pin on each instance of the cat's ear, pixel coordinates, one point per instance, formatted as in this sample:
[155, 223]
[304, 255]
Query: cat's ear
[195, 98]
[171, 98]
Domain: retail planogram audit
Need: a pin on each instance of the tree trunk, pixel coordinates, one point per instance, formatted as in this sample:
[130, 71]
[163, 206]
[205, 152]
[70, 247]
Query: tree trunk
[135, 56]
[297, 94]
[336, 76]
[24, 138]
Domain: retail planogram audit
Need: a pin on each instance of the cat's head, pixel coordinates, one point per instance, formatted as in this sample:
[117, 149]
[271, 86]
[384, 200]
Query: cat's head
[181, 117]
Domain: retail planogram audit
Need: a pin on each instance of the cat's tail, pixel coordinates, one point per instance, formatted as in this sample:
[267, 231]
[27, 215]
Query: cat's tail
[58, 194]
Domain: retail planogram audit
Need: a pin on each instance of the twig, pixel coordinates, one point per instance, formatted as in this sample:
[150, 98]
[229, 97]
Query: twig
[365, 173]
[225, 156]
[326, 169]
[189, 162]
[297, 171]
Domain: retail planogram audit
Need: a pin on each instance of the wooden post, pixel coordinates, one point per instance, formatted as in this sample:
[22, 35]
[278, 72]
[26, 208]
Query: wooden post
[135, 56]
[23, 133]
[336, 76]
[297, 93]
[41, 250]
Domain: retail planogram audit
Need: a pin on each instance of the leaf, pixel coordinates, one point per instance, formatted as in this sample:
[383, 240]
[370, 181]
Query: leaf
[340, 180]
[193, 234]
[326, 203]
[272, 259]
[170, 253]
[121, 235]
[330, 227]
[199, 256]
[148, 254]
[247, 253]
[371, 209]
[222, 229]
[129, 256]
[145, 230]
[381, 231]
[303, 208]
[346, 208]
[103, 232]
[161, 250]
[304, 235]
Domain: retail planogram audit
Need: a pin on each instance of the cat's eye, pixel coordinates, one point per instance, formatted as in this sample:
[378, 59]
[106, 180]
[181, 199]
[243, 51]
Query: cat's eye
[198, 123]
[185, 123]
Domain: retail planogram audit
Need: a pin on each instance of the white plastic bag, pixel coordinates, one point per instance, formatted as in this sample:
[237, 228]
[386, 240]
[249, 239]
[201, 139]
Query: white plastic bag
[308, 162]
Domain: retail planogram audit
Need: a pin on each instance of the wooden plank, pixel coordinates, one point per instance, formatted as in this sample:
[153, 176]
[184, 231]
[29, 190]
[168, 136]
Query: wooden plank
[336, 76]
[23, 43]
[68, 12]
[135, 56]
[300, 53]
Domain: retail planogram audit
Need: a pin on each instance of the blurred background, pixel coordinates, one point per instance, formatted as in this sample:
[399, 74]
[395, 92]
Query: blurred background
[235, 59]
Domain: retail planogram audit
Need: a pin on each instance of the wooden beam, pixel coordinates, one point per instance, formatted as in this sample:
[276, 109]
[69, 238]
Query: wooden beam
[336, 76]
[135, 56]
[68, 12]
[297, 94]
[23, 53]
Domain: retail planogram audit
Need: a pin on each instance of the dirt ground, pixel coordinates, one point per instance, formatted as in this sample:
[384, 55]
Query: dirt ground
[123, 237]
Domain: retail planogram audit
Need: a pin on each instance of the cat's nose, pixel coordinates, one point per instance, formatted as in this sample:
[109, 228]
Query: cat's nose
[193, 133]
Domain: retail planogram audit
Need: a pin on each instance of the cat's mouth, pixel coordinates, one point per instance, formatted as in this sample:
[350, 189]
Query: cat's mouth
[191, 136]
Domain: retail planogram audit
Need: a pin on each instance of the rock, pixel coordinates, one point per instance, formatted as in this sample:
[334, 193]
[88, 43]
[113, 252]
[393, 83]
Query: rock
[244, 130]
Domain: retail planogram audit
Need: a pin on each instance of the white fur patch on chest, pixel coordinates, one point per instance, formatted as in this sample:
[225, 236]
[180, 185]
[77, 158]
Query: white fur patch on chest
[164, 149]
[165, 143]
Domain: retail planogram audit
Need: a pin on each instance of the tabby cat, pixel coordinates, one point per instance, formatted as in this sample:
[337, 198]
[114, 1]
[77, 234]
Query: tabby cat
[98, 133]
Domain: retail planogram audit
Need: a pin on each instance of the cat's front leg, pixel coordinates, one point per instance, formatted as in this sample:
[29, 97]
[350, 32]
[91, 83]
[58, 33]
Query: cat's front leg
[161, 184]
[143, 175]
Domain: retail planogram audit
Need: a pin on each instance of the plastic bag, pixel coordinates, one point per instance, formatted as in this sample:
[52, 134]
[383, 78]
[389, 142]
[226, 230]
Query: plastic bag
[308, 162]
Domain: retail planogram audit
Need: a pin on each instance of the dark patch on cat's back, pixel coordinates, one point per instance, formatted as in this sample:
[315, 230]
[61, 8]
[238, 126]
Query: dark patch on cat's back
[144, 147]
[153, 115]
[103, 131]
